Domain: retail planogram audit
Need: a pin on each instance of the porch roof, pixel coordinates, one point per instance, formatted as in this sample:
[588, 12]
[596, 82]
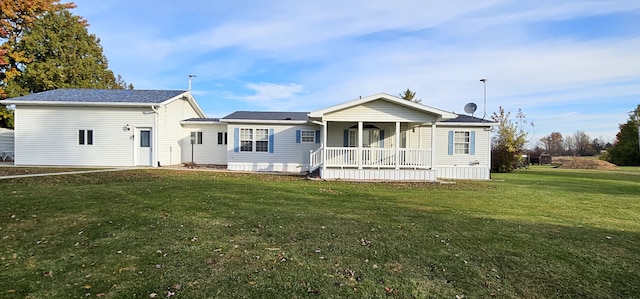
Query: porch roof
[387, 97]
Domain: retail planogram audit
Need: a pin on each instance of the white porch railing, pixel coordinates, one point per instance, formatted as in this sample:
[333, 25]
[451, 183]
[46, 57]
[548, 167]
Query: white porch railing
[348, 157]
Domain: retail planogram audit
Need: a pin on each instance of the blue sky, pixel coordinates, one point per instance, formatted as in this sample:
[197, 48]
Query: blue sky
[569, 65]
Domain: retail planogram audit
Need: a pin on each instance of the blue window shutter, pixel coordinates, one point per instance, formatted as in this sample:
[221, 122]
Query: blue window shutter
[382, 138]
[271, 145]
[472, 143]
[236, 139]
[317, 136]
[298, 136]
[450, 142]
[346, 138]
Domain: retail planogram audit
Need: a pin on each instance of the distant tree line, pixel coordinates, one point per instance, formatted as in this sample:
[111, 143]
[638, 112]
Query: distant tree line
[624, 151]
[577, 144]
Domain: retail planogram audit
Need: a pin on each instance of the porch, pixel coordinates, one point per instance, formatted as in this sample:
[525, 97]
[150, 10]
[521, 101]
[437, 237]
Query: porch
[371, 158]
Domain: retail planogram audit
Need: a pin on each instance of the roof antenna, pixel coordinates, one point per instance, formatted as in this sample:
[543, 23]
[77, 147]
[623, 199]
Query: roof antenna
[484, 82]
[190, 77]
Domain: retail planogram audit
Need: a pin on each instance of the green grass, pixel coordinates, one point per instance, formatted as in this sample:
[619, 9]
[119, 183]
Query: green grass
[537, 233]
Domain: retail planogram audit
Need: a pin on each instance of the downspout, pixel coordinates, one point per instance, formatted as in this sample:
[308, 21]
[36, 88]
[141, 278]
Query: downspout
[154, 137]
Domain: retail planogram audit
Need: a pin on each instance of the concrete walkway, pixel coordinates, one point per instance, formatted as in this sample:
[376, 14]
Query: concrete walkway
[59, 173]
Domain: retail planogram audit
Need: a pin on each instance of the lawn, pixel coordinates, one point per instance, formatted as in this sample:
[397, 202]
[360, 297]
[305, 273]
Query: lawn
[537, 233]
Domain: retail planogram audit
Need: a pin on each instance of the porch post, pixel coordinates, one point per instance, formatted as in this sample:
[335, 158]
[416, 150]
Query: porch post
[397, 142]
[433, 144]
[360, 129]
[323, 145]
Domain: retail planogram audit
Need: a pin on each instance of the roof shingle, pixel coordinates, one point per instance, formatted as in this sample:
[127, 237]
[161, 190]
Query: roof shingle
[268, 115]
[101, 96]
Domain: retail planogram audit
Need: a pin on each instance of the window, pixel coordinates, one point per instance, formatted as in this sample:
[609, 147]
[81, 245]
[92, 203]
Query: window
[308, 136]
[199, 138]
[246, 140]
[253, 140]
[145, 138]
[262, 140]
[85, 137]
[370, 138]
[222, 137]
[461, 142]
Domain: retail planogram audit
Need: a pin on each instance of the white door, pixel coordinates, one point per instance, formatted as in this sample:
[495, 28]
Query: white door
[143, 147]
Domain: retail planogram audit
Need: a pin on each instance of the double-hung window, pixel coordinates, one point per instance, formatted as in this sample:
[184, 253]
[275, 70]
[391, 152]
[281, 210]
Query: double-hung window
[262, 140]
[461, 142]
[308, 136]
[253, 140]
[246, 140]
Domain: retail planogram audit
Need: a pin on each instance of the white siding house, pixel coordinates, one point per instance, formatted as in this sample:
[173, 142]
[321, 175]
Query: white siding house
[380, 137]
[91, 127]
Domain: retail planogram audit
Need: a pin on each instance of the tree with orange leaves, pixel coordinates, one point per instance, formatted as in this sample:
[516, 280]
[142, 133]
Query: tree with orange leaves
[16, 17]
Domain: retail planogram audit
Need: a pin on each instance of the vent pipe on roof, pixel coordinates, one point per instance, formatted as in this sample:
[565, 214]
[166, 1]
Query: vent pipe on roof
[190, 77]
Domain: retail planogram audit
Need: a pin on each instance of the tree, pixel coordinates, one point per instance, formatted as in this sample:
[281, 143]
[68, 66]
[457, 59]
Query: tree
[62, 54]
[410, 96]
[6, 117]
[17, 17]
[553, 143]
[626, 150]
[581, 142]
[508, 141]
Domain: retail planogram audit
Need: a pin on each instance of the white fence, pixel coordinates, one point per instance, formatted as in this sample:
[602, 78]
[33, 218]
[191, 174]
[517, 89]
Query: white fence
[342, 157]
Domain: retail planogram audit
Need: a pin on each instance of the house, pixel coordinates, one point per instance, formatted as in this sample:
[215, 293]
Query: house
[379, 137]
[96, 127]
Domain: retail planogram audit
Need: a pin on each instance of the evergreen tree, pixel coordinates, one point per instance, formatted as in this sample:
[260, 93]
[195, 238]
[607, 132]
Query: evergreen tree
[62, 54]
[626, 150]
[410, 96]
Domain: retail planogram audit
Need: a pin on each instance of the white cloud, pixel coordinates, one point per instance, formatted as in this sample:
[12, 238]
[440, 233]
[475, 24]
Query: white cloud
[269, 91]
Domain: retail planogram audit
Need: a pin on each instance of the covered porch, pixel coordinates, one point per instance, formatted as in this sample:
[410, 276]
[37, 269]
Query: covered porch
[380, 137]
[375, 150]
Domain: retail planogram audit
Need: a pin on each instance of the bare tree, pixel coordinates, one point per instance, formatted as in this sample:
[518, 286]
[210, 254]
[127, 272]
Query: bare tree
[581, 143]
[553, 143]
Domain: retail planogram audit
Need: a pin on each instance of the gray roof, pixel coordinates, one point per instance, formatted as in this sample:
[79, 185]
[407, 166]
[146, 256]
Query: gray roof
[101, 96]
[268, 115]
[203, 119]
[467, 119]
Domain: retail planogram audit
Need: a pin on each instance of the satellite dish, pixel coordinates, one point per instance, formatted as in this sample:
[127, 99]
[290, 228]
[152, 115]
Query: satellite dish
[470, 108]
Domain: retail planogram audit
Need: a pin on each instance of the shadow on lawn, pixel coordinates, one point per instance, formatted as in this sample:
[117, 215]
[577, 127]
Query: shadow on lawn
[256, 236]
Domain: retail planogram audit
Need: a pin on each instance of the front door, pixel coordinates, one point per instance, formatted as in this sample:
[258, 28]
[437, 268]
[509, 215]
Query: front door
[143, 147]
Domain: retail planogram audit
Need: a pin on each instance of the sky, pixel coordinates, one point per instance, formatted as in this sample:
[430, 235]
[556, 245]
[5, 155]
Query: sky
[569, 65]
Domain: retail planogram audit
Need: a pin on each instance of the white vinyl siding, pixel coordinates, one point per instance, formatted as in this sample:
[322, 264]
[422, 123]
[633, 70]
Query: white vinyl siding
[49, 135]
[170, 133]
[380, 110]
[481, 154]
[209, 152]
[285, 153]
